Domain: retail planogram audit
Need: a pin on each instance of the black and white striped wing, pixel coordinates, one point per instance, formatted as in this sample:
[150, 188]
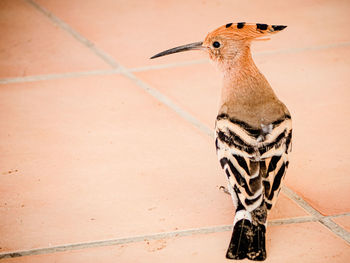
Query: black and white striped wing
[275, 158]
[254, 160]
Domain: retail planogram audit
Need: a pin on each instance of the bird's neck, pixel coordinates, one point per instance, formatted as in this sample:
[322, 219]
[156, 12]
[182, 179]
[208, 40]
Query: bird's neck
[243, 85]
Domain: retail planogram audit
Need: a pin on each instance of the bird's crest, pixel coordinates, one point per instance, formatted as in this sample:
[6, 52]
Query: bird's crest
[245, 31]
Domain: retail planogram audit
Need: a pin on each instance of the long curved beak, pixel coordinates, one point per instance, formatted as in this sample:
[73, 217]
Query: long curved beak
[192, 46]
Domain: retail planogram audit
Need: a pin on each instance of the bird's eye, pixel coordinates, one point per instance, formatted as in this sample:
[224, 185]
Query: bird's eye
[216, 44]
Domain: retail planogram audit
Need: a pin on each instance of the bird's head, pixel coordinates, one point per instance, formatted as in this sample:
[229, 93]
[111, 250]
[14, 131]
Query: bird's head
[226, 42]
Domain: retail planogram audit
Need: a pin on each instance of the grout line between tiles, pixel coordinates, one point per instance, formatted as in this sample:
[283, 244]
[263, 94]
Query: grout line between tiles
[315, 215]
[116, 241]
[94, 72]
[58, 76]
[335, 228]
[338, 215]
[156, 236]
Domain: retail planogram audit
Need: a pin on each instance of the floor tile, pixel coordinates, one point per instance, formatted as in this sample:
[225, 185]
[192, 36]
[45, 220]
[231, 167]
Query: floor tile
[32, 45]
[96, 158]
[343, 221]
[314, 86]
[292, 243]
[132, 31]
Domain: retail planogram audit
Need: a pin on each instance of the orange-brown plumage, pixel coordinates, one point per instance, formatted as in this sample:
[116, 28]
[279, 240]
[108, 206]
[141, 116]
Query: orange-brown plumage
[246, 94]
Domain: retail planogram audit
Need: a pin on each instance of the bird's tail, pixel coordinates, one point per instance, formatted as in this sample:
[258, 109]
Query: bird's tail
[241, 240]
[248, 237]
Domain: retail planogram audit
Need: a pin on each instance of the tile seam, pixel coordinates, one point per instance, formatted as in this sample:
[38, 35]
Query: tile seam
[162, 98]
[338, 215]
[156, 236]
[58, 76]
[134, 239]
[335, 228]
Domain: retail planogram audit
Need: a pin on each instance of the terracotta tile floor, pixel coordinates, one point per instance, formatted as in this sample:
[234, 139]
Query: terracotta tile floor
[106, 156]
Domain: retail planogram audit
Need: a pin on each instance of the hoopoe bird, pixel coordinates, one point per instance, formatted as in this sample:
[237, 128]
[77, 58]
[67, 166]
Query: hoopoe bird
[253, 133]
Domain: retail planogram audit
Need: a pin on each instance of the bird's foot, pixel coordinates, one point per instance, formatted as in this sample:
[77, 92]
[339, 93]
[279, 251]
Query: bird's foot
[224, 189]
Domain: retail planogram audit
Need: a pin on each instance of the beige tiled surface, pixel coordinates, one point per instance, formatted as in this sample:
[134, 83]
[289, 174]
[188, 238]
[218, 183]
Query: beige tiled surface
[93, 158]
[31, 45]
[212, 248]
[83, 171]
